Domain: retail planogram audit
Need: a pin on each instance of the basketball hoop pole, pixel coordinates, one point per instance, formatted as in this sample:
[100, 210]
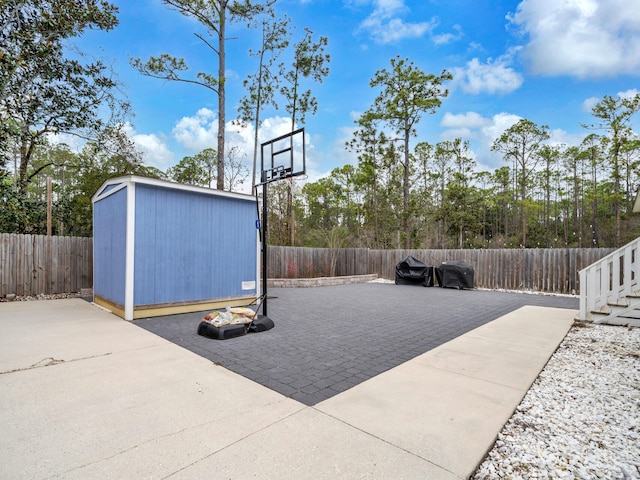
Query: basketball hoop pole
[274, 173]
[264, 244]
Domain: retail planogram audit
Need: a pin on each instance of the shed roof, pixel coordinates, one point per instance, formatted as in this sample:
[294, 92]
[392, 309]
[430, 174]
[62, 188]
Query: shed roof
[114, 184]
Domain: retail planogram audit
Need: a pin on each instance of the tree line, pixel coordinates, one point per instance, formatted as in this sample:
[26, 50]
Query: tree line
[49, 88]
[434, 196]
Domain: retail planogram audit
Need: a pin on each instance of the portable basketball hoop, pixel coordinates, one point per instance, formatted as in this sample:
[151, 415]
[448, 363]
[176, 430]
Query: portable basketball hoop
[281, 158]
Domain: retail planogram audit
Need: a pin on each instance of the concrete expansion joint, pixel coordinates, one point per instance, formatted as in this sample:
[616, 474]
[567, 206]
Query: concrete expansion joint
[387, 442]
[50, 361]
[222, 449]
[479, 379]
[509, 342]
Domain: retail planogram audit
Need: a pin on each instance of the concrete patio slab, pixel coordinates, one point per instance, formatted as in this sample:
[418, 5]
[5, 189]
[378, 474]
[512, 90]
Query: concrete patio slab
[118, 402]
[40, 332]
[313, 445]
[88, 395]
[448, 405]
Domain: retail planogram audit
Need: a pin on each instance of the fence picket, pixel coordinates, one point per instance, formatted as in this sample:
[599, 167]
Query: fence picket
[545, 270]
[25, 268]
[35, 264]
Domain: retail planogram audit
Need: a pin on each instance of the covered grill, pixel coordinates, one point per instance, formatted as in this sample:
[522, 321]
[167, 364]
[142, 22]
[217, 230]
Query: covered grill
[412, 271]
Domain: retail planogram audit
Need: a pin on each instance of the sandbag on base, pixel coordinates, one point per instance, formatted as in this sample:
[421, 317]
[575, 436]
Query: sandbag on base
[260, 324]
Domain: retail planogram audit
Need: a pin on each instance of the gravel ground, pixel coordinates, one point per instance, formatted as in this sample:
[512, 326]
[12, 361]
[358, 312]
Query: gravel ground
[41, 296]
[581, 417]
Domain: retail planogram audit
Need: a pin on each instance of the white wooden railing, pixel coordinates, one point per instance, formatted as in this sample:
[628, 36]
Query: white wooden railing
[609, 280]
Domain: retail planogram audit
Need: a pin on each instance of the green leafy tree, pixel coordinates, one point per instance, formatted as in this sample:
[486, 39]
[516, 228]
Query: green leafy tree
[43, 90]
[521, 144]
[322, 203]
[236, 172]
[407, 93]
[436, 164]
[114, 154]
[550, 157]
[20, 213]
[309, 61]
[369, 144]
[615, 115]
[630, 159]
[460, 191]
[213, 15]
[199, 169]
[426, 191]
[591, 147]
[502, 220]
[262, 85]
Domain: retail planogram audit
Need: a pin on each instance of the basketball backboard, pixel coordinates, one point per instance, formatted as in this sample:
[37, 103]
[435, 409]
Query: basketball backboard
[283, 157]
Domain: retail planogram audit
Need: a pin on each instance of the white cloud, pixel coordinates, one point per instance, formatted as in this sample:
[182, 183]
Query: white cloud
[385, 25]
[495, 76]
[498, 124]
[589, 103]
[469, 119]
[153, 147]
[628, 94]
[466, 125]
[155, 151]
[481, 131]
[445, 38]
[558, 136]
[582, 38]
[74, 142]
[198, 132]
[243, 136]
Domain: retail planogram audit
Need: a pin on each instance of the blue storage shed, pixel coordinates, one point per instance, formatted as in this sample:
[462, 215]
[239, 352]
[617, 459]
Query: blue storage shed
[161, 248]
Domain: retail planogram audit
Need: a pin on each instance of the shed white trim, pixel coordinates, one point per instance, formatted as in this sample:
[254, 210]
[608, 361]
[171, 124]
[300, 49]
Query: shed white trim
[129, 283]
[128, 179]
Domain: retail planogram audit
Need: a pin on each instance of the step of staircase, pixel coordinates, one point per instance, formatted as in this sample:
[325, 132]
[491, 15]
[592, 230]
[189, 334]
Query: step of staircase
[624, 312]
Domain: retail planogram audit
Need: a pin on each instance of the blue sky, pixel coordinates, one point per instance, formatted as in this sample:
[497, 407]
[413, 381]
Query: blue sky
[545, 60]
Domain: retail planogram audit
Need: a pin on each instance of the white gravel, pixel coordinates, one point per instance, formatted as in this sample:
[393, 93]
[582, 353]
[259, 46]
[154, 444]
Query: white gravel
[581, 417]
[41, 296]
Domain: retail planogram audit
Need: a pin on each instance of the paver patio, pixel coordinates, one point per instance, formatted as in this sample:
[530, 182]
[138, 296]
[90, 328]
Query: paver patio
[329, 339]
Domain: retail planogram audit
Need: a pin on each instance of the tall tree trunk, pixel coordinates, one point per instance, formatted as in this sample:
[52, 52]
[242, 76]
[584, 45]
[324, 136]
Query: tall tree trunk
[221, 95]
[405, 192]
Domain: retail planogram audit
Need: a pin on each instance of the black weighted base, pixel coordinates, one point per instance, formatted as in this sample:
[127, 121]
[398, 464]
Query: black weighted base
[221, 333]
[261, 324]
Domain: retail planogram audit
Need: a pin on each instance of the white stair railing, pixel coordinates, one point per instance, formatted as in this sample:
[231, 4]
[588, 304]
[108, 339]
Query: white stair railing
[609, 280]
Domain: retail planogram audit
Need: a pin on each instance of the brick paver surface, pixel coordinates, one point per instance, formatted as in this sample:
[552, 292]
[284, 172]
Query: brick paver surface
[329, 339]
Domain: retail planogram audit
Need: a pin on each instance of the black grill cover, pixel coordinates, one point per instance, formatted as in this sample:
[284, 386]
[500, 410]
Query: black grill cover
[454, 274]
[412, 271]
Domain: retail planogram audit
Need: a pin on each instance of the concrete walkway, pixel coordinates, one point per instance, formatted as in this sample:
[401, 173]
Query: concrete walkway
[87, 395]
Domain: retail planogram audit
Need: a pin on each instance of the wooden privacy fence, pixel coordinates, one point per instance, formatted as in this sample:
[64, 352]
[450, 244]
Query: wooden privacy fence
[541, 270]
[35, 264]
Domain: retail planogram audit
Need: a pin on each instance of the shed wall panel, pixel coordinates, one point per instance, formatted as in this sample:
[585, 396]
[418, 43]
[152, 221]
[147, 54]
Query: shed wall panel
[191, 246]
[109, 246]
